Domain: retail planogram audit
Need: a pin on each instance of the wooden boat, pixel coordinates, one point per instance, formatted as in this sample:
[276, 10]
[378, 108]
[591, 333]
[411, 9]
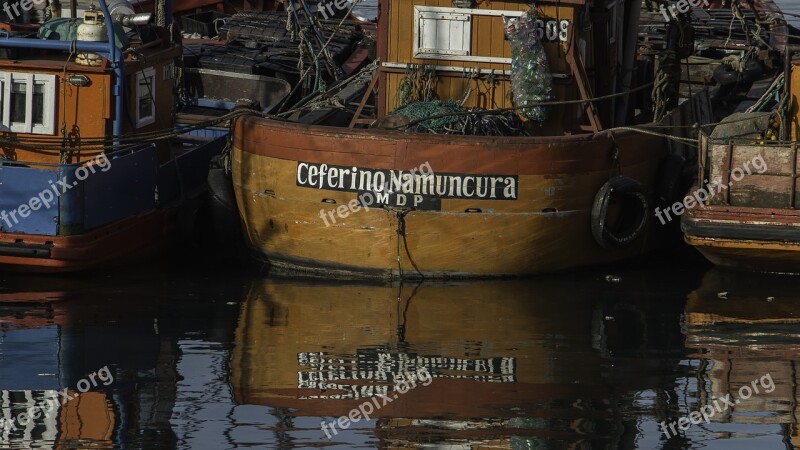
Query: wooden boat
[75, 192]
[752, 223]
[576, 191]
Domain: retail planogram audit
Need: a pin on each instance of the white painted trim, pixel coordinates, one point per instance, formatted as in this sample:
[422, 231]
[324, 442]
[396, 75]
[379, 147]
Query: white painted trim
[6, 99]
[28, 77]
[474, 12]
[468, 70]
[477, 59]
[49, 103]
[392, 65]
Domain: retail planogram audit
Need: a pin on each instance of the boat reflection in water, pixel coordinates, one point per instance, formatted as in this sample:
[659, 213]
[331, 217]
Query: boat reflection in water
[744, 328]
[514, 364]
[61, 330]
[210, 363]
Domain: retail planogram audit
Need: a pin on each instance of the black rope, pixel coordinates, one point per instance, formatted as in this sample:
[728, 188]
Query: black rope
[401, 233]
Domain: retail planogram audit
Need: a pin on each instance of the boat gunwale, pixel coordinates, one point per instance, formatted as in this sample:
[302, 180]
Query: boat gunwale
[329, 131]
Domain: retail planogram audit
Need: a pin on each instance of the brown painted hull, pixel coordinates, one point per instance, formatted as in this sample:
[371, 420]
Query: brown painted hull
[751, 239]
[545, 228]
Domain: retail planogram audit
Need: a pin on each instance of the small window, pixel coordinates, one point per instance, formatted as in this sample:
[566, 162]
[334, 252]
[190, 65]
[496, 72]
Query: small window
[38, 103]
[28, 102]
[441, 32]
[145, 97]
[18, 102]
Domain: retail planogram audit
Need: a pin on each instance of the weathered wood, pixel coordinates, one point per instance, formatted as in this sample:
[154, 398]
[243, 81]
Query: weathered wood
[547, 228]
[581, 78]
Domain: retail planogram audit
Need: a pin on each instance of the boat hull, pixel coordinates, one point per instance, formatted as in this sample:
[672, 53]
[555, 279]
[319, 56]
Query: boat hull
[749, 217]
[752, 239]
[132, 209]
[544, 225]
[126, 242]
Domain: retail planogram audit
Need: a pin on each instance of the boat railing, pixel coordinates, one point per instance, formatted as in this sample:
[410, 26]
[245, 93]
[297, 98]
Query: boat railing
[750, 174]
[67, 199]
[110, 155]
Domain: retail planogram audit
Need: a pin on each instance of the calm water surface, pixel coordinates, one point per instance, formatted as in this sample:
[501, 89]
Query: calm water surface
[791, 7]
[200, 359]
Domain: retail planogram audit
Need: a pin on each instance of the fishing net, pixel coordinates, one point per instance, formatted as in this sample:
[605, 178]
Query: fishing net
[474, 122]
[421, 110]
[531, 81]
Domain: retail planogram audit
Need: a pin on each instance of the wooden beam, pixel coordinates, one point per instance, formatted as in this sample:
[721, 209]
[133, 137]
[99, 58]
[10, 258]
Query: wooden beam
[581, 78]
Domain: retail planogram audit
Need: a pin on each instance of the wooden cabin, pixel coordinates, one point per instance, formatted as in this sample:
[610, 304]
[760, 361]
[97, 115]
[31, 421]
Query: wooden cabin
[468, 50]
[49, 95]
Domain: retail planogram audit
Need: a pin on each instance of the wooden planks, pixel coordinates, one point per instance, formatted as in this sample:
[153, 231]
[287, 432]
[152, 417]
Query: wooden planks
[488, 39]
[545, 227]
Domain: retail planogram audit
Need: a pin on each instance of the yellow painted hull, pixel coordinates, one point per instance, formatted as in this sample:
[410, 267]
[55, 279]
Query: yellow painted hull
[545, 228]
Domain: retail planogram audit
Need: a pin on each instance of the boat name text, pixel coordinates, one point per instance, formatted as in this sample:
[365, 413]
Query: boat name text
[440, 185]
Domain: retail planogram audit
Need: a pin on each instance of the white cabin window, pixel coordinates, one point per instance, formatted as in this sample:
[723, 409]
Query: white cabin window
[28, 102]
[145, 97]
[441, 32]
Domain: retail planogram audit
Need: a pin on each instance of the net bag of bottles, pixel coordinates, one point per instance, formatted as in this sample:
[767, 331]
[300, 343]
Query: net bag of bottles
[531, 81]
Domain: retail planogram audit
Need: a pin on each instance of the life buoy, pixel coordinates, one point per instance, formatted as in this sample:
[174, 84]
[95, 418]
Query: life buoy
[630, 213]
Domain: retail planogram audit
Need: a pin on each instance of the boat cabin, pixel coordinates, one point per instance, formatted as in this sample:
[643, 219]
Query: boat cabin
[464, 45]
[65, 96]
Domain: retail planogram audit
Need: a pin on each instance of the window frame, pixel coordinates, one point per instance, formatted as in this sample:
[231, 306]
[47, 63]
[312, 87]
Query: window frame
[423, 14]
[148, 72]
[48, 104]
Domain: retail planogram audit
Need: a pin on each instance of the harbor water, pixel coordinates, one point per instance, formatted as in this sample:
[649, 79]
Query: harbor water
[666, 352]
[792, 8]
[206, 357]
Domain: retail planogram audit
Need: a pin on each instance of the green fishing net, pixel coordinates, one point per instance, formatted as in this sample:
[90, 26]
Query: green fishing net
[420, 110]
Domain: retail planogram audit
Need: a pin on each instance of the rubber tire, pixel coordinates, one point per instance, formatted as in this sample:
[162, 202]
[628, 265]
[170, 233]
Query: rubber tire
[726, 75]
[616, 188]
[753, 70]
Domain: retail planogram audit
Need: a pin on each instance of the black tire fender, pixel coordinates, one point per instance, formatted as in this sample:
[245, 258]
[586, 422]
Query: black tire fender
[632, 218]
[726, 75]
